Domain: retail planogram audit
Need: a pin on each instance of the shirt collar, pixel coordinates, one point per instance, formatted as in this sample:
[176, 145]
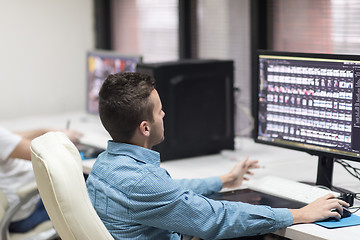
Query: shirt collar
[138, 153]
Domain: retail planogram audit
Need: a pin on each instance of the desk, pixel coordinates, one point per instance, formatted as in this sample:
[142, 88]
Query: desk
[273, 160]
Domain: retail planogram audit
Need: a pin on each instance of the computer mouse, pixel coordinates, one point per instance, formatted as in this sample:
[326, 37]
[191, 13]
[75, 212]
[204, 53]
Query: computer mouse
[346, 213]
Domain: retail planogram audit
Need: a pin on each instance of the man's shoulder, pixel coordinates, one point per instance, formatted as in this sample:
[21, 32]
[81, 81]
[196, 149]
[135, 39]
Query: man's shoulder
[124, 170]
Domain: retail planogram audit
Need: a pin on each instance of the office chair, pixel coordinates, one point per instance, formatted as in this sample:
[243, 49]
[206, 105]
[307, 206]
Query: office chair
[43, 231]
[58, 173]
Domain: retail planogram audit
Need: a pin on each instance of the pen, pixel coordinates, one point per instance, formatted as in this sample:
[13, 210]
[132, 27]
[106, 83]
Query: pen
[67, 124]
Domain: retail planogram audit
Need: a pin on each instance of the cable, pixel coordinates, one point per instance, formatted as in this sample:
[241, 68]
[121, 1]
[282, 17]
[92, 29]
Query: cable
[357, 209]
[355, 172]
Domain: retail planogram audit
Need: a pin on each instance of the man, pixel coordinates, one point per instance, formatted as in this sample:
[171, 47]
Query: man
[137, 199]
[16, 170]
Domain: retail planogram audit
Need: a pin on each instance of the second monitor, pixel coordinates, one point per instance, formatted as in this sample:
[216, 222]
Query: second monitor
[100, 64]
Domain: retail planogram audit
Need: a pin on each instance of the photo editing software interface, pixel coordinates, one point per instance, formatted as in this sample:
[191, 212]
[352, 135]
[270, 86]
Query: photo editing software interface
[310, 102]
[99, 65]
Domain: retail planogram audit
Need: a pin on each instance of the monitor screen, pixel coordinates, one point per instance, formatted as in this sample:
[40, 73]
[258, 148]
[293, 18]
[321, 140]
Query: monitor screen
[99, 65]
[309, 102]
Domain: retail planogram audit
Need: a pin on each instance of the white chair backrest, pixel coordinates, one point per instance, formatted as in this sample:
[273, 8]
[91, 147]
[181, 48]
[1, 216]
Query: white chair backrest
[58, 172]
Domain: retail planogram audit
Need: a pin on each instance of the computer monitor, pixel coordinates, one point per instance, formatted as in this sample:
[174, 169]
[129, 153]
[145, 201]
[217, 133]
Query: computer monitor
[99, 65]
[310, 102]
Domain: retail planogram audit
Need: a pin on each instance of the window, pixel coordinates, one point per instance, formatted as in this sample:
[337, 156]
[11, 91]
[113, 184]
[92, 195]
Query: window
[223, 32]
[319, 26]
[146, 27]
[150, 28]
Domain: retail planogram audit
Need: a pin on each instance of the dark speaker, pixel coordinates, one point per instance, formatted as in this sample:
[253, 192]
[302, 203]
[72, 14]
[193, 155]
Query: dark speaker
[198, 101]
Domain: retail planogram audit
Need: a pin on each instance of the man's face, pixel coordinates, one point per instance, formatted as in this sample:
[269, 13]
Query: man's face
[157, 127]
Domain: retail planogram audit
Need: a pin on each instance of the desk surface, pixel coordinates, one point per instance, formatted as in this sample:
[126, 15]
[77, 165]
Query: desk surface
[286, 163]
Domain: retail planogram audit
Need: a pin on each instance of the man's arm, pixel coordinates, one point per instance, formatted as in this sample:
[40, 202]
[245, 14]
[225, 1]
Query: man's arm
[74, 136]
[22, 150]
[203, 186]
[318, 210]
[31, 134]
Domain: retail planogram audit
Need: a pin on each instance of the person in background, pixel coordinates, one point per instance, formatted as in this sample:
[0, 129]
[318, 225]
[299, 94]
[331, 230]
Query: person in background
[16, 170]
[137, 199]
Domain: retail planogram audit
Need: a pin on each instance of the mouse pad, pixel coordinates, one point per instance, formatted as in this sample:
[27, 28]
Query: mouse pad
[353, 220]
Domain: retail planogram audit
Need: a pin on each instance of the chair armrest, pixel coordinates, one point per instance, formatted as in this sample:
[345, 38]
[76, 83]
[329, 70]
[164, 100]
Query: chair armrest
[25, 193]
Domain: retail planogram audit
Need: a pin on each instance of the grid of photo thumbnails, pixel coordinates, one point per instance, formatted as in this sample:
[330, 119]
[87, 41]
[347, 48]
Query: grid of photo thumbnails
[307, 103]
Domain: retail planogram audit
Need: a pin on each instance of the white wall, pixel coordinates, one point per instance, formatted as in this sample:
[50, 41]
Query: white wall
[43, 46]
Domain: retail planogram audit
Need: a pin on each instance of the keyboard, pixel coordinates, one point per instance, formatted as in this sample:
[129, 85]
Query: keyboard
[289, 189]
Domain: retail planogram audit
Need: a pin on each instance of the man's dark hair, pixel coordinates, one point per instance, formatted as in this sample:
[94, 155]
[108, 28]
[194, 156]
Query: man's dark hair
[124, 103]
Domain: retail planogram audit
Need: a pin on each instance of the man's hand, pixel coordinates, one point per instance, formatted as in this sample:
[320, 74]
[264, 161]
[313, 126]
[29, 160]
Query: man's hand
[237, 175]
[319, 210]
[73, 135]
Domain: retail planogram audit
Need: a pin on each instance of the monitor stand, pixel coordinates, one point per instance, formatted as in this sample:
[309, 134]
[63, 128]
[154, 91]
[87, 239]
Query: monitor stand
[325, 171]
[324, 175]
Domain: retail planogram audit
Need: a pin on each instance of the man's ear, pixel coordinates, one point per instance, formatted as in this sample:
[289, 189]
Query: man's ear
[145, 128]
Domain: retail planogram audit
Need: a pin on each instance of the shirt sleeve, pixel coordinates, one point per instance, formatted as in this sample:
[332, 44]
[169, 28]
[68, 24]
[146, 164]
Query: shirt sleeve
[204, 186]
[8, 142]
[168, 206]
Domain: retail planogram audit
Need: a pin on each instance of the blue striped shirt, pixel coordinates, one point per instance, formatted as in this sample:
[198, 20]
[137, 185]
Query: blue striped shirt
[137, 199]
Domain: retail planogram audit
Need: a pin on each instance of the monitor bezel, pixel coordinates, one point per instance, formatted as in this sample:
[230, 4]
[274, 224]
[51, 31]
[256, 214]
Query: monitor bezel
[318, 152]
[105, 53]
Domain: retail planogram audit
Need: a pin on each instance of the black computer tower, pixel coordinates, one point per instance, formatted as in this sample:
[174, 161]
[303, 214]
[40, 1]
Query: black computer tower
[198, 101]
